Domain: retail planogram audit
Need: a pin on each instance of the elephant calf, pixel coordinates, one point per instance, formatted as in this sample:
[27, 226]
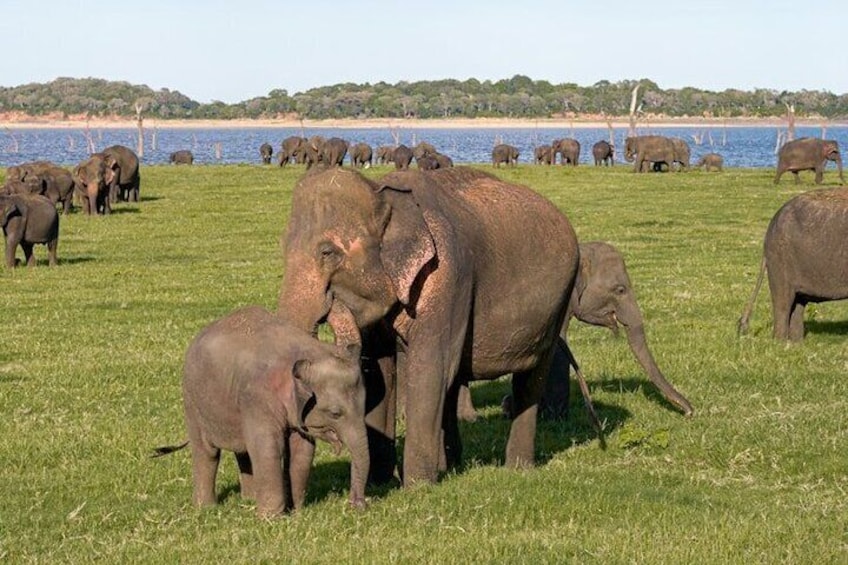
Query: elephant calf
[28, 219]
[182, 157]
[261, 388]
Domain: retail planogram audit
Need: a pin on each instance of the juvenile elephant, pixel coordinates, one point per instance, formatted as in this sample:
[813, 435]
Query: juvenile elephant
[361, 155]
[182, 157]
[266, 151]
[293, 148]
[28, 219]
[443, 265]
[711, 161]
[259, 387]
[804, 265]
[334, 151]
[402, 157]
[46, 178]
[568, 149]
[808, 154]
[604, 153]
[542, 155]
[648, 148]
[504, 153]
[126, 183]
[92, 181]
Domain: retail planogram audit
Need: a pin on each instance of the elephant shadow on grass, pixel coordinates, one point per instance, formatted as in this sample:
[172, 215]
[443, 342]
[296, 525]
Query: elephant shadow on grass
[831, 327]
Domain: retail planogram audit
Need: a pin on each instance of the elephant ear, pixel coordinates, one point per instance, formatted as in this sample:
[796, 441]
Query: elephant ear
[300, 395]
[9, 210]
[407, 243]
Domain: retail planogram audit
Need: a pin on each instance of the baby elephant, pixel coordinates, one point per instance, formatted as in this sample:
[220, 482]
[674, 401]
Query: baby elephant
[261, 388]
[28, 219]
[711, 161]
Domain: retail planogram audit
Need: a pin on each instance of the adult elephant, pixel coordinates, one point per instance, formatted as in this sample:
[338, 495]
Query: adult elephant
[361, 155]
[568, 149]
[48, 179]
[127, 182]
[604, 153]
[711, 161]
[808, 154]
[266, 151]
[542, 155]
[504, 154]
[402, 156]
[648, 148]
[682, 153]
[27, 219]
[291, 148]
[467, 275]
[92, 181]
[182, 157]
[334, 151]
[385, 154]
[804, 265]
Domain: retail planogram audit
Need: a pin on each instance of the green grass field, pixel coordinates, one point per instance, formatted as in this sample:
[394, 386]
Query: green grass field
[91, 360]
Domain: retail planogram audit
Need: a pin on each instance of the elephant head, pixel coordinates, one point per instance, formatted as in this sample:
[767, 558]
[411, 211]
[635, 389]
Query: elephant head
[603, 296]
[830, 149]
[92, 179]
[630, 149]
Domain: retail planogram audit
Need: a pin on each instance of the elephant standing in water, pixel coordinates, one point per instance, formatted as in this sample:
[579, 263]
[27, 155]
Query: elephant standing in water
[442, 267]
[804, 265]
[604, 153]
[808, 154]
[266, 151]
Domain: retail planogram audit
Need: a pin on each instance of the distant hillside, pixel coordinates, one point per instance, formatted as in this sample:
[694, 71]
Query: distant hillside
[517, 97]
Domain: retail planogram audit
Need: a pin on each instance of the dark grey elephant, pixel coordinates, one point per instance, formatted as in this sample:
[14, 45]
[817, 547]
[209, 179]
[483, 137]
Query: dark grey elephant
[604, 153]
[504, 154]
[542, 155]
[437, 263]
[361, 155]
[568, 149]
[46, 178]
[334, 152]
[804, 265]
[263, 389]
[126, 183]
[266, 152]
[648, 148]
[808, 154]
[92, 181]
[182, 157]
[711, 161]
[293, 148]
[402, 157]
[28, 219]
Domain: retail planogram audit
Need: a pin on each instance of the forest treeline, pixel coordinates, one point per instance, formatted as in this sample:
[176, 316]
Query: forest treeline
[517, 97]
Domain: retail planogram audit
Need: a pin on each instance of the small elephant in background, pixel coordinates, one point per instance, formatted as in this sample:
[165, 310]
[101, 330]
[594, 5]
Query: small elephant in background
[568, 149]
[361, 155]
[259, 387]
[682, 153]
[604, 153]
[293, 148]
[504, 153]
[711, 161]
[182, 157]
[385, 154]
[402, 157]
[542, 155]
[334, 151]
[28, 219]
[266, 151]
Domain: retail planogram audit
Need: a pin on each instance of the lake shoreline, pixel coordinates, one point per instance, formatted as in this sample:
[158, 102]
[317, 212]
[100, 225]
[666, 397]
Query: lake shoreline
[21, 123]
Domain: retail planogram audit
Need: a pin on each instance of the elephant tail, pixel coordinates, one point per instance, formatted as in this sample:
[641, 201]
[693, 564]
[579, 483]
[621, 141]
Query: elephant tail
[167, 449]
[742, 324]
[584, 389]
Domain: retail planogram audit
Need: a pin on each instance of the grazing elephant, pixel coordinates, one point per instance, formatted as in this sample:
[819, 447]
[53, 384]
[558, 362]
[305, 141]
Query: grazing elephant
[653, 148]
[504, 153]
[334, 152]
[182, 157]
[604, 153]
[446, 265]
[542, 155]
[127, 181]
[385, 154]
[46, 178]
[568, 149]
[711, 161]
[361, 155]
[259, 387]
[402, 156]
[808, 154]
[92, 181]
[804, 265]
[682, 153]
[293, 148]
[28, 219]
[266, 151]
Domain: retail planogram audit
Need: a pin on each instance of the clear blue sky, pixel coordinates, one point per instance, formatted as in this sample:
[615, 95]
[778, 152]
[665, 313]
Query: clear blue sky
[235, 50]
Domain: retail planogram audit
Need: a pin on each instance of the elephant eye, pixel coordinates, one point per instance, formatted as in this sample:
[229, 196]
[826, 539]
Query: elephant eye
[335, 412]
[328, 251]
[620, 289]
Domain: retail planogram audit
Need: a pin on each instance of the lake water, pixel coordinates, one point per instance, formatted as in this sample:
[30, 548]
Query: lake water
[740, 146]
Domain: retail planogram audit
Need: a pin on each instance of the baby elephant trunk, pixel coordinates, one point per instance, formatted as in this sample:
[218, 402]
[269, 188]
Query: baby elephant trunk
[356, 441]
[639, 346]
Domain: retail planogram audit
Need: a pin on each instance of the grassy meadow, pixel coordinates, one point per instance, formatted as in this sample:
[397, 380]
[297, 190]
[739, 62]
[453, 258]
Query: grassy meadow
[91, 360]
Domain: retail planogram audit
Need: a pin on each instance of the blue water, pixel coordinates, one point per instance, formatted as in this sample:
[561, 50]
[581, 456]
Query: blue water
[740, 146]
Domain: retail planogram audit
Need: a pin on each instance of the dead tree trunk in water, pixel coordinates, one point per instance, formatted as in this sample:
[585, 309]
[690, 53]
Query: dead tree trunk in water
[790, 118]
[634, 98]
[140, 124]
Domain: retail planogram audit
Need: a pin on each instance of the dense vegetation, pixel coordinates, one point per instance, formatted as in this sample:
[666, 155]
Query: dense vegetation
[517, 97]
[93, 349]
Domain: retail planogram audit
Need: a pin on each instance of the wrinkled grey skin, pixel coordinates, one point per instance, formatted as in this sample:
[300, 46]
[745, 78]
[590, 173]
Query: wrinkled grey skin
[447, 263]
[682, 153]
[654, 148]
[504, 154]
[542, 155]
[28, 219]
[182, 157]
[804, 265]
[402, 157]
[293, 148]
[266, 151]
[568, 149]
[47, 179]
[711, 162]
[604, 153]
[603, 296]
[808, 154]
[361, 155]
[385, 154]
[259, 387]
[92, 181]
[127, 182]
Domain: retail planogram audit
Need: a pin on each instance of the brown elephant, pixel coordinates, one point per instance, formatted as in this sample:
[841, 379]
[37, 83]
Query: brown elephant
[92, 181]
[182, 157]
[804, 265]
[808, 154]
[604, 153]
[648, 148]
[263, 389]
[47, 179]
[293, 148]
[334, 151]
[28, 219]
[504, 154]
[542, 155]
[682, 153]
[402, 157]
[711, 161]
[422, 149]
[444, 265]
[361, 155]
[266, 151]
[385, 154]
[568, 149]
[126, 183]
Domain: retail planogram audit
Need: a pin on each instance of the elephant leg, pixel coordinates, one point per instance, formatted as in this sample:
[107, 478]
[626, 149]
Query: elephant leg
[527, 388]
[247, 488]
[819, 175]
[29, 256]
[781, 304]
[555, 401]
[301, 452]
[11, 247]
[451, 457]
[204, 467]
[796, 321]
[379, 369]
[424, 437]
[797, 177]
[52, 258]
[266, 452]
[465, 406]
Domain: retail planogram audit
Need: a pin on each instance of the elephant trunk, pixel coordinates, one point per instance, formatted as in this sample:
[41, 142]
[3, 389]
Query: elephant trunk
[360, 461]
[304, 300]
[639, 345]
[838, 159]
